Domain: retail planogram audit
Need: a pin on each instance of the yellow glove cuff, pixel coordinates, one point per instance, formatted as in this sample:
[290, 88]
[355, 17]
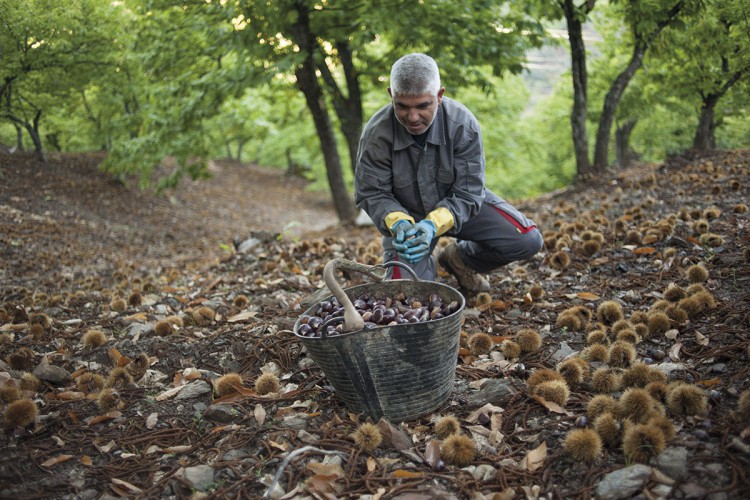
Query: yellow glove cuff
[393, 217]
[443, 220]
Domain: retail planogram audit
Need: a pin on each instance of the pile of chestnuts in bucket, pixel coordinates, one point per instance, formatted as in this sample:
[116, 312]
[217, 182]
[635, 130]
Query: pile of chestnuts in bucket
[376, 311]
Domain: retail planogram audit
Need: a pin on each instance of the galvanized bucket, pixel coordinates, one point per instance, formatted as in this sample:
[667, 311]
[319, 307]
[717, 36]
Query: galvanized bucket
[400, 372]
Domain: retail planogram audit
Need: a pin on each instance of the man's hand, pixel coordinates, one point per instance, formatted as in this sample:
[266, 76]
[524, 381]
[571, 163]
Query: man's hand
[417, 241]
[399, 230]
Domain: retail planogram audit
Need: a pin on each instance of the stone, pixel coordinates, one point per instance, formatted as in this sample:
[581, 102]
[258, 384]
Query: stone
[194, 389]
[563, 352]
[623, 483]
[200, 477]
[672, 462]
[495, 391]
[669, 368]
[484, 472]
[222, 414]
[51, 373]
[248, 245]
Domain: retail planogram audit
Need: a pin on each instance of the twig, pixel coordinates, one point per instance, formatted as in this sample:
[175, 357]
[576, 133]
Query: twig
[289, 458]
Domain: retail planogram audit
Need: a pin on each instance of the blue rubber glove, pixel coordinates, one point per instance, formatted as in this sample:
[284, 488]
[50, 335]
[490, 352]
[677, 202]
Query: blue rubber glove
[399, 230]
[418, 241]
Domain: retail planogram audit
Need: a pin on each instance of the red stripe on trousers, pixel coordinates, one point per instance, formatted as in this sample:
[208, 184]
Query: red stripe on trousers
[509, 218]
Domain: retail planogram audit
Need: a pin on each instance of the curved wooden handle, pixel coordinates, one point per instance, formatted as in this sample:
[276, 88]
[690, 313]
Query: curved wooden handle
[352, 319]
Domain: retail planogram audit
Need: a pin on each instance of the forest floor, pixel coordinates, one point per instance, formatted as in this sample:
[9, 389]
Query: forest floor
[209, 278]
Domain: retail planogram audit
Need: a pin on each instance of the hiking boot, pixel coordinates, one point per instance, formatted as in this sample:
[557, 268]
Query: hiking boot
[452, 261]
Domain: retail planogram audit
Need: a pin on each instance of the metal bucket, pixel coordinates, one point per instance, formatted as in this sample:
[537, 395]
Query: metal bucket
[400, 372]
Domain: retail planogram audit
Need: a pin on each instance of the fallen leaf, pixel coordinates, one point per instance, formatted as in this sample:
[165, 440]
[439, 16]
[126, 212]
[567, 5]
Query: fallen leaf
[177, 449]
[393, 436]
[671, 334]
[432, 453]
[552, 406]
[222, 428]
[169, 393]
[151, 420]
[372, 464]
[674, 351]
[406, 474]
[103, 418]
[645, 250]
[86, 460]
[133, 488]
[700, 338]
[242, 316]
[56, 460]
[710, 382]
[105, 448]
[322, 486]
[326, 469]
[535, 458]
[488, 409]
[260, 414]
[588, 296]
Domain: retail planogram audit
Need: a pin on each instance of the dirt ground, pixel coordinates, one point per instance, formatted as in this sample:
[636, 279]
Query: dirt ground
[209, 279]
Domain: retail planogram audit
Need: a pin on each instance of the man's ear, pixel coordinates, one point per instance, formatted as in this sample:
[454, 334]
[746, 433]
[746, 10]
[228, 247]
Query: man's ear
[390, 93]
[440, 95]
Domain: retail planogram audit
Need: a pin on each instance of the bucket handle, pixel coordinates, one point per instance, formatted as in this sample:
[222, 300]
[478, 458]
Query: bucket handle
[352, 319]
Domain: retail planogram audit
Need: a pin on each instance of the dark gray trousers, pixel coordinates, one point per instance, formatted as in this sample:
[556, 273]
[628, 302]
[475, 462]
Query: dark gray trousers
[498, 235]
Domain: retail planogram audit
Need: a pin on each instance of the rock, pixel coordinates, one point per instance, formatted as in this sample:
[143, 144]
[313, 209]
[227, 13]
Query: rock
[294, 422]
[51, 373]
[223, 414]
[669, 368]
[194, 389]
[563, 352]
[248, 245]
[484, 472]
[495, 391]
[672, 462]
[139, 329]
[624, 482]
[200, 477]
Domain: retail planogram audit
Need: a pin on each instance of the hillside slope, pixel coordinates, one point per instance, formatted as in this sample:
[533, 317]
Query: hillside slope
[178, 308]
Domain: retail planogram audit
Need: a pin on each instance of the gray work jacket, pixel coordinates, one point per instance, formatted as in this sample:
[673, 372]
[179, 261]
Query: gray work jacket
[394, 173]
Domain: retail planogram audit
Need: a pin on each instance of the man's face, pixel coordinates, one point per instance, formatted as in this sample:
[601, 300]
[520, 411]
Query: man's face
[416, 112]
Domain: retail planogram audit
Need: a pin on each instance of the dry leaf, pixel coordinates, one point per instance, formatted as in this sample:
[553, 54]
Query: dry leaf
[222, 428]
[322, 486]
[133, 488]
[488, 409]
[151, 420]
[588, 296]
[432, 453]
[326, 469]
[535, 458]
[674, 351]
[103, 418]
[86, 460]
[710, 382]
[552, 406]
[700, 338]
[105, 448]
[260, 414]
[645, 251]
[56, 460]
[393, 436]
[242, 316]
[372, 464]
[178, 449]
[169, 393]
[406, 474]
[745, 432]
[671, 334]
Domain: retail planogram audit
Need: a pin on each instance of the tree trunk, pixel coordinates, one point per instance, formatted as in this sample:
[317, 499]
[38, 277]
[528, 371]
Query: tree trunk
[625, 155]
[705, 133]
[348, 109]
[578, 67]
[307, 81]
[611, 101]
[704, 139]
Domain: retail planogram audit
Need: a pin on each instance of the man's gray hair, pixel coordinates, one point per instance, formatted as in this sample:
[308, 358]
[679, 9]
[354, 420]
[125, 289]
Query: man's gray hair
[415, 74]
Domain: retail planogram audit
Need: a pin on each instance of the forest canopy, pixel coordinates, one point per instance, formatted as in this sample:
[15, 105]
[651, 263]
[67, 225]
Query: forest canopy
[290, 83]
